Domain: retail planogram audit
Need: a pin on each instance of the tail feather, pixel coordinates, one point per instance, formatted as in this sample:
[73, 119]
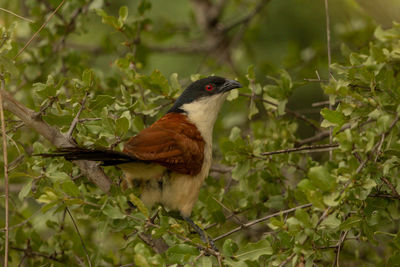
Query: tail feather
[106, 156]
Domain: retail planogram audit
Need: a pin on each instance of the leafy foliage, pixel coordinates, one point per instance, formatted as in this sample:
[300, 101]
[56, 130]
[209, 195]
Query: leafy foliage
[94, 64]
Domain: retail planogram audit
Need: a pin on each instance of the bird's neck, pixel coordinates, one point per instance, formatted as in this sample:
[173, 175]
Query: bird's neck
[203, 113]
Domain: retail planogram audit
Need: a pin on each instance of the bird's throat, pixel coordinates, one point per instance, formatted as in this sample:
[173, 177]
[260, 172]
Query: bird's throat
[203, 114]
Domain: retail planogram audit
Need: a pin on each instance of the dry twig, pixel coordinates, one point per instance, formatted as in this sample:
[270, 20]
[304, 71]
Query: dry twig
[6, 188]
[308, 149]
[76, 119]
[41, 27]
[251, 223]
[80, 237]
[18, 16]
[287, 110]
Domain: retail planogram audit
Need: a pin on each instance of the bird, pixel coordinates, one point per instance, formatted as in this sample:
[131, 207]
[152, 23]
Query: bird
[171, 158]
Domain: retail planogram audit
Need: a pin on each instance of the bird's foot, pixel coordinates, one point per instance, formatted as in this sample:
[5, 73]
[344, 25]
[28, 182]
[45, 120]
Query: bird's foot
[203, 235]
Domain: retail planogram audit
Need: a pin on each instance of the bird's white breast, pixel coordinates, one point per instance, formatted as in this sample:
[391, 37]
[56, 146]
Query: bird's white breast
[203, 113]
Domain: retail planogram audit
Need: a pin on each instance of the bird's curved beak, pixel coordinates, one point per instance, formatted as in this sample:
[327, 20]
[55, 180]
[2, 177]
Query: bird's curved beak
[229, 85]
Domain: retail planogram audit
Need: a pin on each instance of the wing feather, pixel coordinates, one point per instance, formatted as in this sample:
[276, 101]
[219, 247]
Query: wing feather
[172, 142]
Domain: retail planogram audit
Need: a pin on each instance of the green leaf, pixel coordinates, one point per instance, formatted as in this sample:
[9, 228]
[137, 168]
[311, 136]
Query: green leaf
[229, 247]
[282, 107]
[331, 221]
[58, 176]
[351, 222]
[250, 73]
[101, 101]
[139, 204]
[70, 188]
[25, 190]
[88, 77]
[333, 116]
[321, 178]
[235, 134]
[113, 212]
[123, 14]
[7, 64]
[122, 126]
[110, 20]
[144, 6]
[253, 251]
[204, 262]
[233, 94]
[241, 170]
[174, 82]
[181, 253]
[253, 110]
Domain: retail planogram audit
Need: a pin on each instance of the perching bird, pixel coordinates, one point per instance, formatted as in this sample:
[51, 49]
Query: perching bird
[171, 158]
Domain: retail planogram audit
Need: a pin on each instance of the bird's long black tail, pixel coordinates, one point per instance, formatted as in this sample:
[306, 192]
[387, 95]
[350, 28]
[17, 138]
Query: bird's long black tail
[107, 157]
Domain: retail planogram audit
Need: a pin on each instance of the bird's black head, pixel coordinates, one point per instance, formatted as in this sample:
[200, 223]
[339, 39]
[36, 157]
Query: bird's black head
[205, 87]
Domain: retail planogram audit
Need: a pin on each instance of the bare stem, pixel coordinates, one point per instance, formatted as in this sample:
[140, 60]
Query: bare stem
[251, 223]
[249, 16]
[5, 158]
[18, 16]
[41, 27]
[287, 110]
[328, 44]
[315, 148]
[80, 237]
[76, 119]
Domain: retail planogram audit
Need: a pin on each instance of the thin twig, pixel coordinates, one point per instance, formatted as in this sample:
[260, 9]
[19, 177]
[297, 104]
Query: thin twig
[315, 148]
[89, 119]
[80, 237]
[44, 107]
[339, 245]
[388, 183]
[249, 16]
[76, 119]
[229, 210]
[287, 110]
[251, 223]
[18, 16]
[315, 80]
[29, 253]
[23, 222]
[328, 41]
[321, 103]
[287, 260]
[41, 27]
[6, 188]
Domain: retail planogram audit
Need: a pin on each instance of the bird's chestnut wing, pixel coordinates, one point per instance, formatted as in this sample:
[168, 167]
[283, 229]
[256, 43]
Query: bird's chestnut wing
[172, 141]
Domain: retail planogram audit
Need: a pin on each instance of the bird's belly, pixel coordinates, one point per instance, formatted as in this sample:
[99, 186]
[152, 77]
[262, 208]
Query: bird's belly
[142, 171]
[180, 192]
[173, 190]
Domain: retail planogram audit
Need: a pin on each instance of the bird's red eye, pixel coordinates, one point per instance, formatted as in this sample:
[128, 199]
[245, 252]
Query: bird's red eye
[209, 87]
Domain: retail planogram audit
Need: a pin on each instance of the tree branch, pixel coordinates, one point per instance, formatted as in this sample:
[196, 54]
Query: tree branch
[251, 223]
[315, 148]
[89, 168]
